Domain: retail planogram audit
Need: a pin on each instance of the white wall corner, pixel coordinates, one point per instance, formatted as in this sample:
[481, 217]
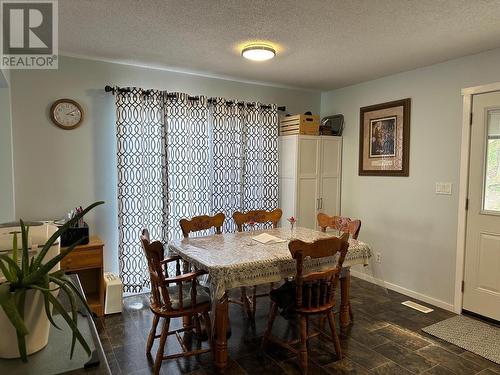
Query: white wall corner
[407, 292]
[462, 197]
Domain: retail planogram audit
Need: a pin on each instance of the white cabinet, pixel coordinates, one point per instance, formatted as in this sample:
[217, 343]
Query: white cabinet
[310, 177]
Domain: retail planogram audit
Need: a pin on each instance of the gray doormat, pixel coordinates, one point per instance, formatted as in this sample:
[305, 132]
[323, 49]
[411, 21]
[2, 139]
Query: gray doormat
[477, 337]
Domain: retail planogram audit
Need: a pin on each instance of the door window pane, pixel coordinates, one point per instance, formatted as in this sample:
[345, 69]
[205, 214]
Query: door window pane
[492, 172]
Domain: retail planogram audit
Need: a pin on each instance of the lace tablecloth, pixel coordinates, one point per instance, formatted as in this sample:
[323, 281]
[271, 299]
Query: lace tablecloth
[234, 259]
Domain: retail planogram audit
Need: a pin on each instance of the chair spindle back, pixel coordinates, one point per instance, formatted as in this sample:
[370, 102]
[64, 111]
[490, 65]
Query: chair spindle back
[316, 290]
[340, 223]
[203, 222]
[158, 273]
[257, 216]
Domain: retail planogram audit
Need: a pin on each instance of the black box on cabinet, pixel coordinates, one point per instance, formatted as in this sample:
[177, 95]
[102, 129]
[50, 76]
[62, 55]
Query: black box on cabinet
[74, 234]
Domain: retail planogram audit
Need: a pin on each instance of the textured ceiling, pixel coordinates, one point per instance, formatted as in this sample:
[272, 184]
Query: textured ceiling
[321, 44]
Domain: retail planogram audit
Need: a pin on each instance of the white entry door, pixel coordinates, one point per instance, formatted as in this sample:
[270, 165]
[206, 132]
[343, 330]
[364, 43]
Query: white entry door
[482, 252]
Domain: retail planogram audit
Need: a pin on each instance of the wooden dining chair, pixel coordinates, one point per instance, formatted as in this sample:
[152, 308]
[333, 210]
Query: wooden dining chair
[344, 225]
[260, 217]
[257, 216]
[198, 223]
[340, 223]
[314, 293]
[174, 297]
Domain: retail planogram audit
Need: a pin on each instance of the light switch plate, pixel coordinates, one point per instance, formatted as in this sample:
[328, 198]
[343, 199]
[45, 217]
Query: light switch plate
[443, 188]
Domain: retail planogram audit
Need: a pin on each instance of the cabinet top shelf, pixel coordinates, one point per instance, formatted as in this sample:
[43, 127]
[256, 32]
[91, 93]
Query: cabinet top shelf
[94, 241]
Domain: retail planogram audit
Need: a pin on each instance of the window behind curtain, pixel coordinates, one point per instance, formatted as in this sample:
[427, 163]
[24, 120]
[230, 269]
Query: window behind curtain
[141, 170]
[179, 158]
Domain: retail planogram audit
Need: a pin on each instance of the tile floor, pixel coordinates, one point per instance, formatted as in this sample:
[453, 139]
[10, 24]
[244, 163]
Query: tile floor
[384, 339]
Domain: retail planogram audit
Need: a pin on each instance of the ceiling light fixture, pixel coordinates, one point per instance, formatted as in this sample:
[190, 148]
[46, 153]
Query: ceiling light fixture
[258, 52]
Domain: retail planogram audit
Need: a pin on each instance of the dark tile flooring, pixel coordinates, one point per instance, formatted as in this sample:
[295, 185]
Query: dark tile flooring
[386, 338]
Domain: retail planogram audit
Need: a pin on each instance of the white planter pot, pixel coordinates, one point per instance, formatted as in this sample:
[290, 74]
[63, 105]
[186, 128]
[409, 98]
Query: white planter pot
[36, 322]
[35, 319]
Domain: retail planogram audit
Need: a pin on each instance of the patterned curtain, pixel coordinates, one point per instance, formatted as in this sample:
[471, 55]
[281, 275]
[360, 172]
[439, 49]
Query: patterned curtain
[141, 172]
[188, 135]
[220, 157]
[245, 158]
[260, 176]
[228, 159]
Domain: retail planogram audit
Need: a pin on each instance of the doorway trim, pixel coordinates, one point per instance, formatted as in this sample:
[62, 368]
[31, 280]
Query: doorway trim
[467, 94]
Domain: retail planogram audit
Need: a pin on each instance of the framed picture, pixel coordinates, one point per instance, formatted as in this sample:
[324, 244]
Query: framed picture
[384, 139]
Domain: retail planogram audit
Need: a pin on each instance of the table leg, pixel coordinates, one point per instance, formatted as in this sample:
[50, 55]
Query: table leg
[186, 321]
[246, 302]
[345, 304]
[221, 318]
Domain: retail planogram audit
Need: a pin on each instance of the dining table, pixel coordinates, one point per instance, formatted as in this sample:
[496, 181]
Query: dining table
[234, 260]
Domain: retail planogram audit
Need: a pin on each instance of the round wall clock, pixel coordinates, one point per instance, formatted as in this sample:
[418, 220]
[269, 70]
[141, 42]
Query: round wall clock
[66, 114]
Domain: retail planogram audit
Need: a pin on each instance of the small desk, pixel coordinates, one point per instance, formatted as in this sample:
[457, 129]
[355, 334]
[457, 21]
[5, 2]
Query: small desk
[87, 262]
[234, 260]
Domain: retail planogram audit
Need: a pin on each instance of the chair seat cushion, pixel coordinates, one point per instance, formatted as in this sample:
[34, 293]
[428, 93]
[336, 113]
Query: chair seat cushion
[202, 295]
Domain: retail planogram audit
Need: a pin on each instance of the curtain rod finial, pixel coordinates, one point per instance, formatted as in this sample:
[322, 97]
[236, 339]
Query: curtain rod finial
[108, 88]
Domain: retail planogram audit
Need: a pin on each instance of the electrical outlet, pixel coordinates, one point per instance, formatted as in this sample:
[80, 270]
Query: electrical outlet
[378, 258]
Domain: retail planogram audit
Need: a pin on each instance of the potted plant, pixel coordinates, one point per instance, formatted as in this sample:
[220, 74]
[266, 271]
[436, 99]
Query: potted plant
[29, 294]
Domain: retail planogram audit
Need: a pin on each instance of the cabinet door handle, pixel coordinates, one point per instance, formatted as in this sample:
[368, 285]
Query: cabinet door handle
[320, 202]
[317, 203]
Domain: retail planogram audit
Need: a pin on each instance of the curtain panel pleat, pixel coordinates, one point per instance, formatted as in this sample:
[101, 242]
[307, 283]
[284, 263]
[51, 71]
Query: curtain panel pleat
[188, 139]
[228, 164]
[179, 157]
[141, 170]
[260, 184]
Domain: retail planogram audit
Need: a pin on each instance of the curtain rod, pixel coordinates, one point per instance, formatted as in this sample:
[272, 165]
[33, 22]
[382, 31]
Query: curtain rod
[113, 90]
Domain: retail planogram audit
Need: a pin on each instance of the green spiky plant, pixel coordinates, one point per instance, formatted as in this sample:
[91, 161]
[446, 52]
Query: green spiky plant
[35, 274]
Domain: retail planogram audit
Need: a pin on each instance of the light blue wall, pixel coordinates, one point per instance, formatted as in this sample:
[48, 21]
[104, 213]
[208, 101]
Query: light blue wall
[57, 169]
[413, 228]
[4, 78]
[6, 167]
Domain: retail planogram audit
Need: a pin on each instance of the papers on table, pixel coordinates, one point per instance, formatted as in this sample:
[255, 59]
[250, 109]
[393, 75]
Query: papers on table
[267, 239]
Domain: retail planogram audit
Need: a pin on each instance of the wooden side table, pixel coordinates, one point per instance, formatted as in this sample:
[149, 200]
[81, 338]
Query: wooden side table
[87, 262]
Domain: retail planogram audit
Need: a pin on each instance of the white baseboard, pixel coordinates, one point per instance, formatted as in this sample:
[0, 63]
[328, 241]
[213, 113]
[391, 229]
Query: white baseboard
[402, 290]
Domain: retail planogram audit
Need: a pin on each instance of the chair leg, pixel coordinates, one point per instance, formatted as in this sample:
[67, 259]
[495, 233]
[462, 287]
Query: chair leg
[187, 321]
[307, 331]
[208, 328]
[321, 323]
[335, 337]
[161, 346]
[270, 322]
[254, 301]
[303, 344]
[197, 327]
[271, 288]
[152, 334]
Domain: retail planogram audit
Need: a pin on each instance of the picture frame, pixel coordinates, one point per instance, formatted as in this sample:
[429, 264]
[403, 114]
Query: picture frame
[384, 139]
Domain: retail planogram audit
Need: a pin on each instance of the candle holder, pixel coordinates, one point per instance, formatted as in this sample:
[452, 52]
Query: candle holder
[292, 222]
[251, 224]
